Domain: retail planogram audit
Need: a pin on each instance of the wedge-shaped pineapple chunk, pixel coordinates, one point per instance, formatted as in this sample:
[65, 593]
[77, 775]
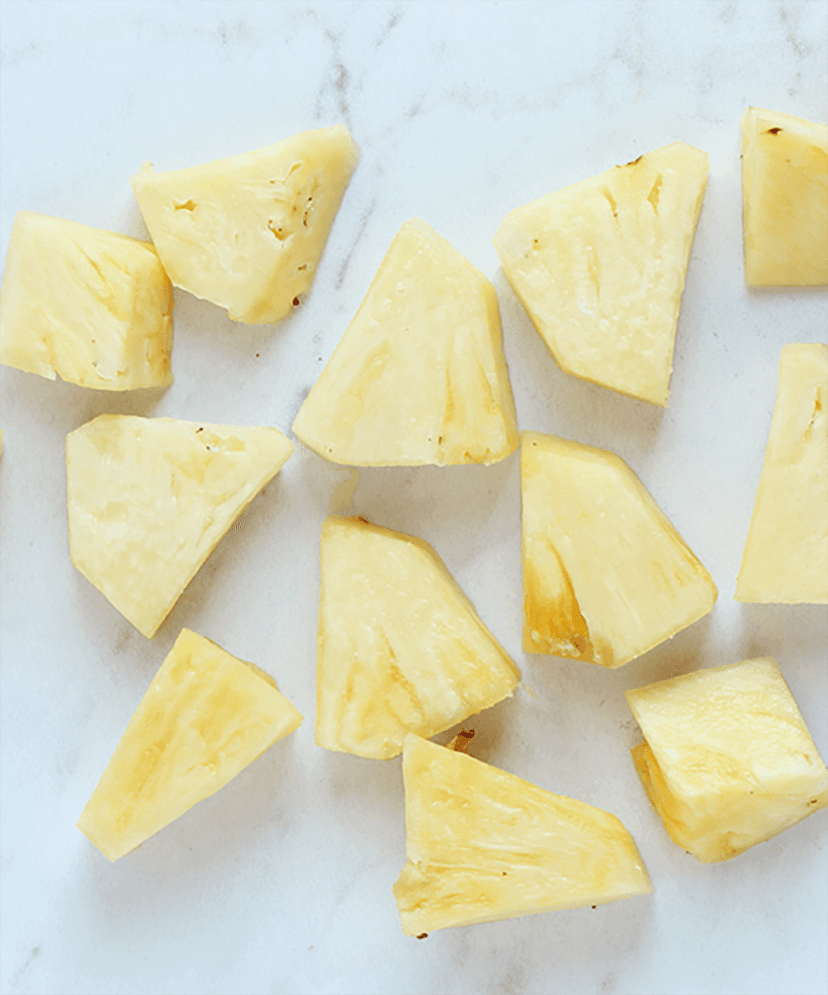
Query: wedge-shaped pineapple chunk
[205, 717]
[485, 845]
[150, 498]
[419, 376]
[606, 577]
[600, 268]
[91, 306]
[401, 648]
[784, 200]
[246, 233]
[726, 761]
[786, 553]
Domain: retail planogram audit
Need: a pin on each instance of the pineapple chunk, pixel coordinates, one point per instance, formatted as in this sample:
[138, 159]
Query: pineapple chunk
[246, 233]
[150, 498]
[91, 306]
[786, 553]
[419, 376]
[606, 577]
[401, 647]
[205, 717]
[600, 268]
[727, 761]
[485, 845]
[784, 200]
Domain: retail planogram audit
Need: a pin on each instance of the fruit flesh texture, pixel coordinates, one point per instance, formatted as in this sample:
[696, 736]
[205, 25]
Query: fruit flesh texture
[247, 232]
[400, 646]
[784, 200]
[419, 376]
[150, 498]
[727, 761]
[91, 306]
[606, 577]
[204, 718]
[600, 268]
[484, 845]
[786, 554]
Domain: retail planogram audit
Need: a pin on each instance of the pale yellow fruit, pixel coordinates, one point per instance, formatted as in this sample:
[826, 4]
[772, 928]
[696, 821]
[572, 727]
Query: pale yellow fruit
[784, 200]
[485, 845]
[606, 577]
[246, 233]
[600, 268]
[727, 761]
[401, 648]
[419, 376]
[205, 717]
[786, 553]
[150, 498]
[91, 306]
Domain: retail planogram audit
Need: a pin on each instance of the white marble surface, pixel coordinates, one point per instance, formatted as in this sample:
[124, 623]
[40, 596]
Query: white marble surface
[281, 882]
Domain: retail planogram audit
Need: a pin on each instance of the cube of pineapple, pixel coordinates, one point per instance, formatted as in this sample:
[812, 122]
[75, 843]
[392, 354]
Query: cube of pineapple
[205, 717]
[727, 761]
[600, 268]
[93, 307]
[247, 232]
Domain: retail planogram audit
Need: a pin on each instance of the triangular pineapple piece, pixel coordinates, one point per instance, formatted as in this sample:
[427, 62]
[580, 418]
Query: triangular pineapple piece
[784, 200]
[401, 647]
[786, 553]
[606, 577]
[246, 233]
[485, 845]
[727, 760]
[150, 498]
[205, 717]
[419, 376]
[600, 267]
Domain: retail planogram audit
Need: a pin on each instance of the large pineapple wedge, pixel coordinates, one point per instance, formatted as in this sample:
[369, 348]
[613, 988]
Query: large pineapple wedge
[401, 647]
[784, 200]
[786, 553]
[485, 845]
[150, 498]
[606, 577]
[727, 761]
[600, 267]
[419, 376]
[205, 717]
[246, 233]
[91, 306]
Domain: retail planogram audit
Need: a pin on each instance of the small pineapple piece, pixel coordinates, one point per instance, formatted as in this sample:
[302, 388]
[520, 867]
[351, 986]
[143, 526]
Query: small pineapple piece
[150, 498]
[400, 646]
[784, 200]
[606, 577]
[246, 233]
[205, 717]
[91, 306]
[786, 553]
[484, 845]
[419, 376]
[727, 761]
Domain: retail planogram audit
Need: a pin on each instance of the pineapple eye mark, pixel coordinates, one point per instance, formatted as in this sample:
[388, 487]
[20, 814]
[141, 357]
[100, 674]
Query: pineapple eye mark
[655, 192]
[187, 205]
[773, 131]
[635, 162]
[611, 201]
[278, 231]
[422, 936]
[296, 302]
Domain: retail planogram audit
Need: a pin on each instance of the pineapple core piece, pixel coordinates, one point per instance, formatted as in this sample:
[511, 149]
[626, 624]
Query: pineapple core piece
[786, 553]
[400, 647]
[246, 233]
[726, 761]
[485, 845]
[600, 268]
[606, 577]
[419, 376]
[91, 306]
[784, 200]
[150, 498]
[205, 717]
